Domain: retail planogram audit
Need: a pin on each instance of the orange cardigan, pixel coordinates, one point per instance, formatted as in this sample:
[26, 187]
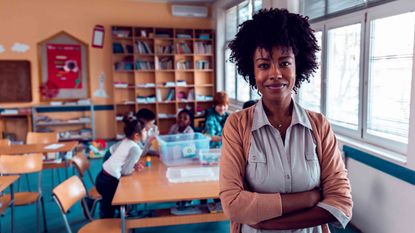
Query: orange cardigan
[246, 207]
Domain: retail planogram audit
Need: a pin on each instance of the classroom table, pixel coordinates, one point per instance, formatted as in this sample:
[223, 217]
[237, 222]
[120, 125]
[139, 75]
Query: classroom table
[41, 148]
[6, 181]
[150, 185]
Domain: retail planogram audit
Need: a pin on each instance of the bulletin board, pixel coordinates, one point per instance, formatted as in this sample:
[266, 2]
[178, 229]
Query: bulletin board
[64, 68]
[15, 81]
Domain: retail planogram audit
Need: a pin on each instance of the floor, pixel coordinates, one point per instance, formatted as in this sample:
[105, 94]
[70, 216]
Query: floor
[76, 219]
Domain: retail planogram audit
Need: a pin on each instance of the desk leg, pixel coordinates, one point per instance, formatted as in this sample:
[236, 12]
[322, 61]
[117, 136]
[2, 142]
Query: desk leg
[12, 207]
[122, 219]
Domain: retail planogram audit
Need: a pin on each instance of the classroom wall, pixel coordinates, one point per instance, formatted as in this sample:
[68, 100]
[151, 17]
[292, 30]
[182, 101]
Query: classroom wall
[30, 22]
[382, 203]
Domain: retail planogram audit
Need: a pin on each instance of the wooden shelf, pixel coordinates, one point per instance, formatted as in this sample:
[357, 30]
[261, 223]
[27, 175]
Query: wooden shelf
[177, 48]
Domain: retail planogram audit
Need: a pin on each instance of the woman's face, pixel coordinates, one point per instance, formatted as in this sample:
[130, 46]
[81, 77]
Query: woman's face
[275, 75]
[221, 108]
[183, 120]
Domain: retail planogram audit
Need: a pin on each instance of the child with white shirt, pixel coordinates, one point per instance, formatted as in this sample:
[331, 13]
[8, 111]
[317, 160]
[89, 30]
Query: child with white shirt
[123, 161]
[184, 123]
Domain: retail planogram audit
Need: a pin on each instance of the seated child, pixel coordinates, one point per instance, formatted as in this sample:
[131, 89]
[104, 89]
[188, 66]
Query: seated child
[249, 103]
[184, 123]
[148, 117]
[216, 118]
[123, 161]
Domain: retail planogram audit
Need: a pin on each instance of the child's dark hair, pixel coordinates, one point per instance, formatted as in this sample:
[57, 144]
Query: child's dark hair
[188, 112]
[275, 27]
[132, 126]
[249, 103]
[145, 115]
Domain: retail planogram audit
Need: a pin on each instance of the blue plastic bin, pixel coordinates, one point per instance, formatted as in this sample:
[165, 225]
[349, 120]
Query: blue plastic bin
[178, 149]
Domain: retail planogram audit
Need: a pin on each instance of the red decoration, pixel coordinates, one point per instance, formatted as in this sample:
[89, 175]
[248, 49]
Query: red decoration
[64, 65]
[49, 89]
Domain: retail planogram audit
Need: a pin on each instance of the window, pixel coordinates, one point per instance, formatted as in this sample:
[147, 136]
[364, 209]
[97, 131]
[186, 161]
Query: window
[309, 94]
[236, 87]
[366, 73]
[343, 61]
[324, 9]
[390, 73]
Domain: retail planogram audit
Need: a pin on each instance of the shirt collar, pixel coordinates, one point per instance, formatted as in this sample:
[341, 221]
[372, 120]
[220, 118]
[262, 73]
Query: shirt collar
[299, 116]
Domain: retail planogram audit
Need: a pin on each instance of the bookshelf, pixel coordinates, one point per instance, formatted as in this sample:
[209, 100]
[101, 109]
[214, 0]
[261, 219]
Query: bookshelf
[77, 122]
[162, 69]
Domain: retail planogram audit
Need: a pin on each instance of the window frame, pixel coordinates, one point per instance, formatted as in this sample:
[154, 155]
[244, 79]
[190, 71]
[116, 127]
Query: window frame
[373, 14]
[342, 21]
[234, 102]
[364, 17]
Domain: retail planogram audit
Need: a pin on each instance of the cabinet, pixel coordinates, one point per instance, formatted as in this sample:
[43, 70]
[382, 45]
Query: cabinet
[15, 123]
[72, 122]
[162, 69]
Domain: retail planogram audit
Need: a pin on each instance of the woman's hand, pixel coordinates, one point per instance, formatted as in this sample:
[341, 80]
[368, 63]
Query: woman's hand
[138, 166]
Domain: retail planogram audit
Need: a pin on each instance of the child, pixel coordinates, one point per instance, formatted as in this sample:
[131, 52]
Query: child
[123, 161]
[216, 117]
[184, 123]
[148, 117]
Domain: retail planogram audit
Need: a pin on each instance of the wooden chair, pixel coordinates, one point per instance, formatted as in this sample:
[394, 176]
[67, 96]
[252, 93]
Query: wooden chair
[38, 138]
[82, 165]
[25, 164]
[71, 191]
[44, 138]
[4, 142]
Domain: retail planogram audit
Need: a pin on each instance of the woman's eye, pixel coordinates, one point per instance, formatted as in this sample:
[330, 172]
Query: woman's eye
[263, 66]
[285, 64]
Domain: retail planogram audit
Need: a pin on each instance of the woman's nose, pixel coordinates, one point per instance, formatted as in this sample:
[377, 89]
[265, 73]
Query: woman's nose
[275, 71]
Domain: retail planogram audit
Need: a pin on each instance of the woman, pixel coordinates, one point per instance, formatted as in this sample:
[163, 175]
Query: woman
[281, 170]
[216, 118]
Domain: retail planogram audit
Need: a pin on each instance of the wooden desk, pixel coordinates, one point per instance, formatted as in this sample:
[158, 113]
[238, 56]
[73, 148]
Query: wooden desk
[40, 148]
[6, 181]
[151, 186]
[36, 148]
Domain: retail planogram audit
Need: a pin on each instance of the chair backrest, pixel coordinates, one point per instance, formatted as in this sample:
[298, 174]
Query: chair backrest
[4, 142]
[69, 192]
[20, 164]
[35, 137]
[81, 163]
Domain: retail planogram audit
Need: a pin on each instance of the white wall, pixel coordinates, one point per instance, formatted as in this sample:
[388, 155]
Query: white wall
[382, 203]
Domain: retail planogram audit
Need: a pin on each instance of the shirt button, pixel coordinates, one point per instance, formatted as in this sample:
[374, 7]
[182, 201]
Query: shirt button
[287, 176]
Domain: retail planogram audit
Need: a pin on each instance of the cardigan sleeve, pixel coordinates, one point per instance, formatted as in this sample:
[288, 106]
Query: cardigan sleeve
[239, 204]
[336, 189]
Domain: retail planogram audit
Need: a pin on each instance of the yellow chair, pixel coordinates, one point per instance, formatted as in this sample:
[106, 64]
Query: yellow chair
[45, 138]
[82, 165]
[4, 142]
[39, 138]
[71, 191]
[25, 164]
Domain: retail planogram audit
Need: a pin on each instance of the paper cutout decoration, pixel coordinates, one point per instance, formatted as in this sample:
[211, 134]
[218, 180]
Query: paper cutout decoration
[101, 91]
[20, 48]
[49, 89]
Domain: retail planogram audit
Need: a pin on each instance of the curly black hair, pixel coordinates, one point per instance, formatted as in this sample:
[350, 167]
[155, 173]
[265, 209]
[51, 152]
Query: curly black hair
[275, 27]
